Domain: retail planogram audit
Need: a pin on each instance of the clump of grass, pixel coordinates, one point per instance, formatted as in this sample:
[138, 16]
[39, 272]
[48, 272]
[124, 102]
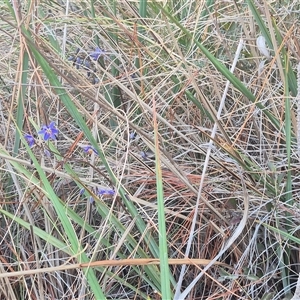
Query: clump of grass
[149, 150]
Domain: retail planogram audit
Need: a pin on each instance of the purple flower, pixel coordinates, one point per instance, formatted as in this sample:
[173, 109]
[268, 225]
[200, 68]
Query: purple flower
[47, 153]
[49, 132]
[92, 200]
[89, 149]
[78, 62]
[96, 54]
[95, 80]
[132, 135]
[30, 139]
[102, 192]
[87, 64]
[147, 155]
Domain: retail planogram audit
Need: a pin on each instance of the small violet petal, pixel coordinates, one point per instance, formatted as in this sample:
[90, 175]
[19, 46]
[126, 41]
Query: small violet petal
[92, 200]
[30, 139]
[87, 64]
[132, 135]
[106, 192]
[96, 80]
[49, 132]
[96, 54]
[78, 62]
[47, 153]
[89, 149]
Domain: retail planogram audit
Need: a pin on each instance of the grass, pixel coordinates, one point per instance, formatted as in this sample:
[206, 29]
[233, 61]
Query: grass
[190, 186]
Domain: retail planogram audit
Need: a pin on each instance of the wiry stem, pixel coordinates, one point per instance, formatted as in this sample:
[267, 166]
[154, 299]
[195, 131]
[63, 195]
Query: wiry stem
[178, 295]
[298, 108]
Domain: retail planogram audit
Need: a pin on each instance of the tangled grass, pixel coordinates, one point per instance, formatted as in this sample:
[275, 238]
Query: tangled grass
[174, 172]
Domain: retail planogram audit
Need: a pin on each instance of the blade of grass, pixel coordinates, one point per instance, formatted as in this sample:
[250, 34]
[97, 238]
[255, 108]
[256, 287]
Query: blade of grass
[141, 33]
[22, 92]
[115, 91]
[288, 136]
[286, 235]
[261, 24]
[292, 80]
[163, 245]
[284, 253]
[143, 8]
[39, 232]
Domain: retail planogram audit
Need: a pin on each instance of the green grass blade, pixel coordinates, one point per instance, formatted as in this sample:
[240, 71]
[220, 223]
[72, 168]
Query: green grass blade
[115, 94]
[22, 93]
[261, 24]
[163, 245]
[143, 8]
[288, 138]
[39, 232]
[292, 81]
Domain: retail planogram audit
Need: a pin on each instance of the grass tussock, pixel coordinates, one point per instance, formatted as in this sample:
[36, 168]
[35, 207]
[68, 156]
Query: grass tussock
[149, 150]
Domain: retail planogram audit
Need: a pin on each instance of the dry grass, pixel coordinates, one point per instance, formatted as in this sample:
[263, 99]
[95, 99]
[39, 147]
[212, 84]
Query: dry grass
[230, 193]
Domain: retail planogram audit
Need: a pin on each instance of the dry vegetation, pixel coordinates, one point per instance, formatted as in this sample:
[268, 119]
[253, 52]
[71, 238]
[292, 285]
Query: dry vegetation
[173, 96]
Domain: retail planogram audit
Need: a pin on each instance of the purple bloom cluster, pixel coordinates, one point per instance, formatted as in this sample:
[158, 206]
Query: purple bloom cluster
[80, 62]
[85, 63]
[48, 132]
[105, 192]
